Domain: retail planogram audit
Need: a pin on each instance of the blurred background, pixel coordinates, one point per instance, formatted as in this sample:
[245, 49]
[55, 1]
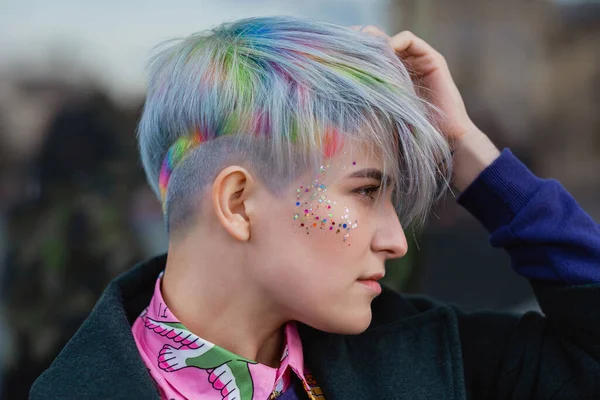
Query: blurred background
[75, 210]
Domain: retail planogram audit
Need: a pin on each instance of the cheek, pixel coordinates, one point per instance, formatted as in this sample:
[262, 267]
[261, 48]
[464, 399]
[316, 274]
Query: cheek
[327, 246]
[327, 223]
[316, 213]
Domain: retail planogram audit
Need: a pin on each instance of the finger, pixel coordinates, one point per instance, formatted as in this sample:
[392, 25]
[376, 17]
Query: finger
[370, 30]
[374, 31]
[412, 45]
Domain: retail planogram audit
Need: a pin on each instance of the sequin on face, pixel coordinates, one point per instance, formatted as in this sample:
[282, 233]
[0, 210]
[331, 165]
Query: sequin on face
[314, 212]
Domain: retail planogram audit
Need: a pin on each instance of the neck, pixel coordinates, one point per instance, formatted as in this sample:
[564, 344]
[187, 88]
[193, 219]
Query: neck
[210, 291]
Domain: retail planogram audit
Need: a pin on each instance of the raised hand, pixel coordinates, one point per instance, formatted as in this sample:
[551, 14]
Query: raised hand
[473, 151]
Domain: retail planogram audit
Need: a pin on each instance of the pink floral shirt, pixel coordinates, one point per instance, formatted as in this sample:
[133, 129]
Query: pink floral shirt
[185, 366]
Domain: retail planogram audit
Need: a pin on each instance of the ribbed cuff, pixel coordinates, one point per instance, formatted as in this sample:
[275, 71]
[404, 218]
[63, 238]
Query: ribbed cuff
[500, 191]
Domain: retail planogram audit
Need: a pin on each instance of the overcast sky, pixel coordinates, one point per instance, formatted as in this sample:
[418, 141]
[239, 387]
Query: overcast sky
[113, 38]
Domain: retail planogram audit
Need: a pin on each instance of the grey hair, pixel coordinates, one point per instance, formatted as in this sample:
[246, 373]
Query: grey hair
[268, 92]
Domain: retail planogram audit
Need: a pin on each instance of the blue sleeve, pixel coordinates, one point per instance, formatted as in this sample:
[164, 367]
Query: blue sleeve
[546, 233]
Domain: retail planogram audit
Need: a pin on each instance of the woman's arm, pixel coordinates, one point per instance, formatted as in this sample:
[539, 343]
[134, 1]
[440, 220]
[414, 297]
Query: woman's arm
[546, 233]
[551, 240]
[555, 244]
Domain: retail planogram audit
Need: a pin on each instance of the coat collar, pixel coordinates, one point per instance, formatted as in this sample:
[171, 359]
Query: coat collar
[411, 349]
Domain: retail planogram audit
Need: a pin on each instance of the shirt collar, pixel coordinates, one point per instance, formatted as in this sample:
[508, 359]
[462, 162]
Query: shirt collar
[187, 366]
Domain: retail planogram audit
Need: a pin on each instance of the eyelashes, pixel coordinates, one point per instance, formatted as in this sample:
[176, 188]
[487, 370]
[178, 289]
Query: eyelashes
[368, 192]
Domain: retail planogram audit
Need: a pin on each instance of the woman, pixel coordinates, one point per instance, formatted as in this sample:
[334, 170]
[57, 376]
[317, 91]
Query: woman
[283, 152]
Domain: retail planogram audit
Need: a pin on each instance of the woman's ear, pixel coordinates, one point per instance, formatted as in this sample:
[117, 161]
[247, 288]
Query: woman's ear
[230, 191]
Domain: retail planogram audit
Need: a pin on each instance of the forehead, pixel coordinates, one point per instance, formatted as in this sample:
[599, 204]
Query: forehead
[353, 156]
[350, 157]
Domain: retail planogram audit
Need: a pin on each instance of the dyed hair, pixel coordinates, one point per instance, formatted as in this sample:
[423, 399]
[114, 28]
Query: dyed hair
[277, 95]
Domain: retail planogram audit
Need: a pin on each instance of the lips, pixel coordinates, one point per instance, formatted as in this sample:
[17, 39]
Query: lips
[374, 277]
[371, 284]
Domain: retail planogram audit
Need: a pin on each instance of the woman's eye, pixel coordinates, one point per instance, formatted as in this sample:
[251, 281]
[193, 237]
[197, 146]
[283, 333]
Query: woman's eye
[368, 191]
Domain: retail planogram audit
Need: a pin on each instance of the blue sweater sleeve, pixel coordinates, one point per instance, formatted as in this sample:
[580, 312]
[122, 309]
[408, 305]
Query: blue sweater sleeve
[546, 233]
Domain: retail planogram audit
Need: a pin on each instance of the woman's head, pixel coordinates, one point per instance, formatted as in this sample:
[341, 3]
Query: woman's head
[279, 107]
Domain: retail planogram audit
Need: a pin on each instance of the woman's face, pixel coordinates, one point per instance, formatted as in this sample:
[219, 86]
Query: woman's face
[321, 240]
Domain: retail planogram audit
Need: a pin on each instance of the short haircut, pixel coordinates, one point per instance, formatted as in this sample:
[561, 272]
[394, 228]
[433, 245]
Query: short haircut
[276, 95]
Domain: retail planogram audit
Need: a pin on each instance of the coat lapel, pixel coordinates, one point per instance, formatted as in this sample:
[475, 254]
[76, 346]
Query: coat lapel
[405, 354]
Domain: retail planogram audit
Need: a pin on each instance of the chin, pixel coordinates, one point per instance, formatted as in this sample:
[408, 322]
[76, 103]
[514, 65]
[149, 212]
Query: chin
[350, 324]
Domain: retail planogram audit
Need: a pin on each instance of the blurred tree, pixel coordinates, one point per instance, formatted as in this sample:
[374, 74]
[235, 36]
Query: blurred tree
[69, 241]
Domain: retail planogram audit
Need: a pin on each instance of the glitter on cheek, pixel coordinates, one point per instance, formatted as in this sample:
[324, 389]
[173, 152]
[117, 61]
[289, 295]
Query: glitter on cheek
[316, 195]
[314, 191]
[347, 224]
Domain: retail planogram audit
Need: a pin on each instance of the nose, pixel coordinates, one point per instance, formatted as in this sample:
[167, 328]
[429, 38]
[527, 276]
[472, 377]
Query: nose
[389, 238]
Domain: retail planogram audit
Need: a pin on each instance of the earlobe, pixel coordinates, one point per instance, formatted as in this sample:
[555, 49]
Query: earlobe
[230, 191]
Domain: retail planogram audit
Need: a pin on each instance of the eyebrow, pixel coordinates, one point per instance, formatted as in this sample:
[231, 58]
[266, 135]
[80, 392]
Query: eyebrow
[373, 173]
